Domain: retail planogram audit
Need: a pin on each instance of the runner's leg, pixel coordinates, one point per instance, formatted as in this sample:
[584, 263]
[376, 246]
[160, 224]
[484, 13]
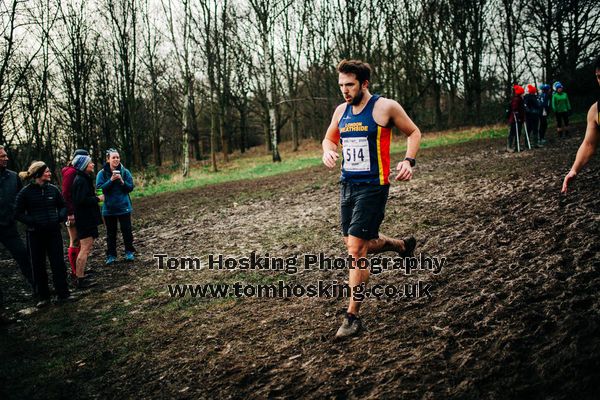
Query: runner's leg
[357, 248]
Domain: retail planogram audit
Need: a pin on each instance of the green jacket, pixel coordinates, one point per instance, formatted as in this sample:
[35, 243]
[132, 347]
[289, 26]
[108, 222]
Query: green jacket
[560, 103]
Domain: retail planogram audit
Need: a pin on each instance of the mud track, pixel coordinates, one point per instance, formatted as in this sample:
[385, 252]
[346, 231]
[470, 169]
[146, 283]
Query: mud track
[514, 314]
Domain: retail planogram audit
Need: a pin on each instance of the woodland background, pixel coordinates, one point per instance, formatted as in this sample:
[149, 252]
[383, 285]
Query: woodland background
[172, 81]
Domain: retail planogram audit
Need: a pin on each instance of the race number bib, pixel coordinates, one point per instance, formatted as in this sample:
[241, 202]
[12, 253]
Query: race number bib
[356, 154]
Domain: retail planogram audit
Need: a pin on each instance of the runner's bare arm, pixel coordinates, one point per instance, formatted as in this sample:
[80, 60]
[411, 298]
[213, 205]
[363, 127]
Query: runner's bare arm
[332, 138]
[587, 148]
[403, 122]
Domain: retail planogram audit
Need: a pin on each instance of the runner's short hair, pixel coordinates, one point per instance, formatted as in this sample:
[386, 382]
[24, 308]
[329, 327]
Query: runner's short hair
[361, 69]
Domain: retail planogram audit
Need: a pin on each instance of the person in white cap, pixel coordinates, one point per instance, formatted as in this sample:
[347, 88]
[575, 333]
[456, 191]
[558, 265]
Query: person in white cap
[87, 214]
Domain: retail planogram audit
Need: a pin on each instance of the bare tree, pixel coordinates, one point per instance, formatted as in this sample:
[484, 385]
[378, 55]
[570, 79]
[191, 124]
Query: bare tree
[355, 32]
[123, 18]
[293, 31]
[244, 72]
[75, 49]
[434, 18]
[14, 64]
[469, 19]
[104, 102]
[222, 38]
[150, 59]
[266, 13]
[578, 28]
[35, 92]
[181, 40]
[544, 13]
[509, 34]
[320, 78]
[208, 39]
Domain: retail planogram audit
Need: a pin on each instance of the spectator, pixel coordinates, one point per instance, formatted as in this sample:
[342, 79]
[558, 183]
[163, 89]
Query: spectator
[116, 183]
[10, 185]
[87, 214]
[532, 113]
[68, 174]
[515, 117]
[561, 107]
[545, 97]
[41, 207]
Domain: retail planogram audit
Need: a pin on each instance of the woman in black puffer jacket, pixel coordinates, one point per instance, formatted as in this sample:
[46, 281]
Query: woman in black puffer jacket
[87, 213]
[41, 207]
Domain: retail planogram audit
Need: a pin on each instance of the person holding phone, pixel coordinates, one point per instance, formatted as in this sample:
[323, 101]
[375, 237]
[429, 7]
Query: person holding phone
[116, 182]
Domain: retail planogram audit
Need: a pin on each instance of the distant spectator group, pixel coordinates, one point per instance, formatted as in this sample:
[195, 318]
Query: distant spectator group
[43, 208]
[528, 115]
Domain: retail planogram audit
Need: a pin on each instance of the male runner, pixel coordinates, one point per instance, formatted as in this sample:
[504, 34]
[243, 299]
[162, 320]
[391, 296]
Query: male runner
[590, 141]
[364, 123]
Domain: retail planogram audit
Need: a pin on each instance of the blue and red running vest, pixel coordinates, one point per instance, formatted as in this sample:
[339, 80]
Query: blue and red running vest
[365, 147]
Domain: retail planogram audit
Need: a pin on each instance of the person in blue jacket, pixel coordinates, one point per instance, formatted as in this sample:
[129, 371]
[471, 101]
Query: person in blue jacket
[545, 97]
[532, 114]
[116, 183]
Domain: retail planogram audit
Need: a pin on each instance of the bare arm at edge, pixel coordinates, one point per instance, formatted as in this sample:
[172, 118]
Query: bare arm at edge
[587, 147]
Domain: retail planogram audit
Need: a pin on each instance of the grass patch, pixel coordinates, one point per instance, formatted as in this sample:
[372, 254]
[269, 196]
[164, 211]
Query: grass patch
[236, 170]
[253, 165]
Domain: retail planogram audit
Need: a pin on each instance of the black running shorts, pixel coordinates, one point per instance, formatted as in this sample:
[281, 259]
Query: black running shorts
[562, 119]
[86, 232]
[362, 209]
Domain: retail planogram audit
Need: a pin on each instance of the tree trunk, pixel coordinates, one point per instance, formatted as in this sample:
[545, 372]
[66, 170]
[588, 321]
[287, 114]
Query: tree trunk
[155, 125]
[185, 138]
[269, 87]
[223, 132]
[195, 136]
[295, 138]
[243, 128]
[213, 133]
[267, 131]
[437, 94]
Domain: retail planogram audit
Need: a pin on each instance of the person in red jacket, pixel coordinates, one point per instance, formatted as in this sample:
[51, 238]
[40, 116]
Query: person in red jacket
[68, 176]
[516, 116]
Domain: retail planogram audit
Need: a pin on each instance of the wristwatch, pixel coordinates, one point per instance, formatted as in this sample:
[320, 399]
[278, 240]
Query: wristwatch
[412, 161]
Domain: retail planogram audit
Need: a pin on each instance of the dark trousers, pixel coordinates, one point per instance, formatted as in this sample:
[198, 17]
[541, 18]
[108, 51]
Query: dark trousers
[111, 233]
[543, 126]
[532, 127]
[9, 237]
[42, 244]
[512, 135]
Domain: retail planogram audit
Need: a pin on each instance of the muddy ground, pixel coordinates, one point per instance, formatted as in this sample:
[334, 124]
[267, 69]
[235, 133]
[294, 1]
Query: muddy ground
[515, 313]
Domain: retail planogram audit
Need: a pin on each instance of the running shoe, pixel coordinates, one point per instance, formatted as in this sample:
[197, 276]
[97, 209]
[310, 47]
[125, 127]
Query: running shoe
[409, 247]
[83, 283]
[350, 327]
[129, 256]
[110, 260]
